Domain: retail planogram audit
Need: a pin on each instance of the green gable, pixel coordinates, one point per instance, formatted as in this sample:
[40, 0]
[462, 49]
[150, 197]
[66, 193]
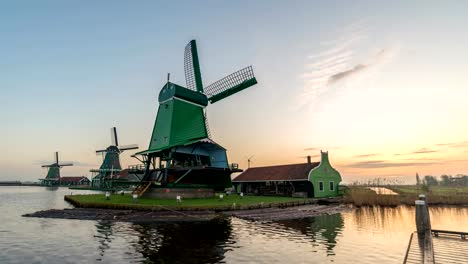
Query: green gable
[53, 172]
[177, 123]
[325, 178]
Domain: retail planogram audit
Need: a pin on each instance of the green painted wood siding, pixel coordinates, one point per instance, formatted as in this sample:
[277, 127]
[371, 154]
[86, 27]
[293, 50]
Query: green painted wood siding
[325, 173]
[177, 123]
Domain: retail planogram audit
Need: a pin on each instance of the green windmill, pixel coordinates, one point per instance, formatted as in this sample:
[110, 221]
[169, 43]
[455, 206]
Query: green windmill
[111, 163]
[181, 152]
[53, 172]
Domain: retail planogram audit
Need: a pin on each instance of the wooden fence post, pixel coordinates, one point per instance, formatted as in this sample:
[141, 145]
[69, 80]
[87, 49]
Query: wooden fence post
[423, 227]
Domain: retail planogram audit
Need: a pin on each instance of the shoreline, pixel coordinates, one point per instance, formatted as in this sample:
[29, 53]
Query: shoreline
[106, 204]
[113, 211]
[171, 216]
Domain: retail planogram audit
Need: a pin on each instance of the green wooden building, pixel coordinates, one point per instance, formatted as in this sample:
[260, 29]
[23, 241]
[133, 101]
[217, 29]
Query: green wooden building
[310, 179]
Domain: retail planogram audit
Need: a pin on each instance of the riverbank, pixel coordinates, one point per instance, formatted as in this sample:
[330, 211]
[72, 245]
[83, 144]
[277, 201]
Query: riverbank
[406, 195]
[136, 216]
[227, 203]
[257, 208]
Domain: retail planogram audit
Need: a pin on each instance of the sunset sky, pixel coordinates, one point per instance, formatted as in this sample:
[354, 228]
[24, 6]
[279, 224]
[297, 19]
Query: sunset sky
[381, 86]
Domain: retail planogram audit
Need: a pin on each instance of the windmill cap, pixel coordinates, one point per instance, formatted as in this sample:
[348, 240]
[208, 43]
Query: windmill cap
[171, 90]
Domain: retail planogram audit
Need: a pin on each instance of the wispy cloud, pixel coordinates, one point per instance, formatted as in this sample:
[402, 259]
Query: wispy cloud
[375, 164]
[307, 149]
[424, 151]
[324, 149]
[463, 144]
[312, 156]
[336, 65]
[419, 151]
[366, 155]
[379, 58]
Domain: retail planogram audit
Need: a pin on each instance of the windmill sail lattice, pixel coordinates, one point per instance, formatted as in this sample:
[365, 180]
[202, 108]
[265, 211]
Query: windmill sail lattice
[181, 152]
[231, 84]
[192, 67]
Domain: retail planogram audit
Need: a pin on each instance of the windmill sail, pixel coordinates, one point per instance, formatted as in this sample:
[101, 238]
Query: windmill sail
[128, 147]
[192, 67]
[115, 142]
[231, 84]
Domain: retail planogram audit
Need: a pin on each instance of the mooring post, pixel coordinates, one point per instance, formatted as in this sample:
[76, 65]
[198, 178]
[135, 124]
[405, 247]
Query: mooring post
[422, 217]
[423, 227]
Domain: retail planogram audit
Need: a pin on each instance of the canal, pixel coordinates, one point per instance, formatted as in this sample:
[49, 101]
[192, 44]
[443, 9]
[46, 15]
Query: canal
[360, 235]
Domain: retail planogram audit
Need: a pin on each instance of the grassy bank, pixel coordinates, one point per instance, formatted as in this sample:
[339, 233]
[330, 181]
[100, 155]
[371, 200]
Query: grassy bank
[439, 195]
[229, 202]
[436, 195]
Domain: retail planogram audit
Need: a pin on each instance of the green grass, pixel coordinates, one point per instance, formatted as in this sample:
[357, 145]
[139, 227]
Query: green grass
[126, 202]
[442, 195]
[435, 190]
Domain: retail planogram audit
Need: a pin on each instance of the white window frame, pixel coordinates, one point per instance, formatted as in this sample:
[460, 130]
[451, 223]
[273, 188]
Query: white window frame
[333, 184]
[323, 186]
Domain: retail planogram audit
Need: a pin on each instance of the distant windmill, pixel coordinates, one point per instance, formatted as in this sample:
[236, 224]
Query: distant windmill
[111, 162]
[249, 159]
[53, 172]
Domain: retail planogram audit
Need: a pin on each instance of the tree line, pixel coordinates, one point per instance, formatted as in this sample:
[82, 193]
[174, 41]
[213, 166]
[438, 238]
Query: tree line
[443, 180]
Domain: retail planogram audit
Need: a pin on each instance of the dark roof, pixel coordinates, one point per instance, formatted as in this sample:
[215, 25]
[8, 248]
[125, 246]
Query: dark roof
[277, 173]
[73, 179]
[125, 175]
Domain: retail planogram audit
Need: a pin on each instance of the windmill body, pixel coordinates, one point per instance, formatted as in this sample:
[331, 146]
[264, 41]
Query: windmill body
[53, 172]
[181, 153]
[111, 163]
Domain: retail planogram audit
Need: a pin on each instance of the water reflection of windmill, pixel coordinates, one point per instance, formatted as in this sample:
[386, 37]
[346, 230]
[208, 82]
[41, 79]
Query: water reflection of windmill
[111, 163]
[53, 172]
[181, 152]
[202, 242]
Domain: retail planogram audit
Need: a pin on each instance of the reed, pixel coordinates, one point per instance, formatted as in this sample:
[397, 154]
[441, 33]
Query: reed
[361, 196]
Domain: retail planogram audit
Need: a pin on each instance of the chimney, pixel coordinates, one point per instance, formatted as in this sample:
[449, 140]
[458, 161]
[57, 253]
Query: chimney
[308, 160]
[324, 157]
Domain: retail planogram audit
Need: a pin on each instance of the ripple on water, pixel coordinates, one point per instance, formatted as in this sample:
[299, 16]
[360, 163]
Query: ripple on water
[364, 235]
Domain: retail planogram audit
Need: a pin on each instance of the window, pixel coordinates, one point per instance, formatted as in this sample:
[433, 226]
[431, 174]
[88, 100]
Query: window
[321, 186]
[332, 186]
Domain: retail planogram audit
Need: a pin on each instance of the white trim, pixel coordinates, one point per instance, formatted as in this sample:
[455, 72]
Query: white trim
[323, 185]
[182, 100]
[308, 175]
[167, 100]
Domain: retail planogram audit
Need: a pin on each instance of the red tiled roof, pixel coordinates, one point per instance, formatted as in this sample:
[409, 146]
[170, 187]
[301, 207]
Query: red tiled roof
[277, 173]
[72, 179]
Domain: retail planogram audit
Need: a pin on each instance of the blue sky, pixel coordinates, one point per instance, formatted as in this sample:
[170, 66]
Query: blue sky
[71, 70]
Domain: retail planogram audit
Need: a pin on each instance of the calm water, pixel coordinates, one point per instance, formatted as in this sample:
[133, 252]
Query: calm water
[362, 235]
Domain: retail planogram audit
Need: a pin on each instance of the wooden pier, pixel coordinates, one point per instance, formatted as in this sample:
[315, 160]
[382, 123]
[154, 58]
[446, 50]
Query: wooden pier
[435, 246]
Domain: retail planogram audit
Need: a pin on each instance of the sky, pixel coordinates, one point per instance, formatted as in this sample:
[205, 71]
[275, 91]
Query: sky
[380, 85]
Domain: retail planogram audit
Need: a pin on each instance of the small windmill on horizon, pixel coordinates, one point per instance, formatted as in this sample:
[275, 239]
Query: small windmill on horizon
[249, 160]
[111, 163]
[53, 172]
